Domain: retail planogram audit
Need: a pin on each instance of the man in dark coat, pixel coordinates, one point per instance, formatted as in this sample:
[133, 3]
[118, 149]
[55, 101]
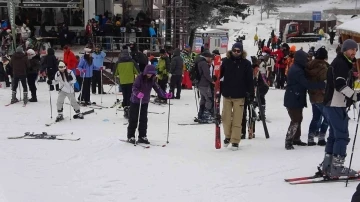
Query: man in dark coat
[356, 196]
[176, 71]
[295, 98]
[20, 65]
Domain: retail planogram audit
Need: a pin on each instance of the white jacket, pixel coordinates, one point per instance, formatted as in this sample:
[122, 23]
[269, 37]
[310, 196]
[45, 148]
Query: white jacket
[266, 66]
[25, 32]
[64, 85]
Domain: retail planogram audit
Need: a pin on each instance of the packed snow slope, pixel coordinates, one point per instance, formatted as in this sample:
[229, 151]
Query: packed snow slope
[101, 168]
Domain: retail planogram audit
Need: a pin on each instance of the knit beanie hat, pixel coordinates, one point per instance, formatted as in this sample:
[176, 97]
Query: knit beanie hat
[349, 44]
[321, 54]
[19, 49]
[238, 45]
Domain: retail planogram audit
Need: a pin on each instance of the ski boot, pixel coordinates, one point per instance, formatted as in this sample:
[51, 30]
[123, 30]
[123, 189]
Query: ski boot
[311, 141]
[289, 145]
[131, 140]
[299, 143]
[326, 164]
[13, 98]
[321, 141]
[234, 146]
[226, 142]
[59, 118]
[243, 136]
[78, 115]
[143, 140]
[339, 170]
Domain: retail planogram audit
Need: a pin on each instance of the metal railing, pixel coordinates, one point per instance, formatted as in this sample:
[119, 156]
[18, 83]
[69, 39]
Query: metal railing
[110, 43]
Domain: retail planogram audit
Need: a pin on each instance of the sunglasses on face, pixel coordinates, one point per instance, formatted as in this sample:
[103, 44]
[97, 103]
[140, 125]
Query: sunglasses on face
[236, 51]
[61, 68]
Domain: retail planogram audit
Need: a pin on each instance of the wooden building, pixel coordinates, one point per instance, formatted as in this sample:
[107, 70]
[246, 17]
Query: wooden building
[306, 22]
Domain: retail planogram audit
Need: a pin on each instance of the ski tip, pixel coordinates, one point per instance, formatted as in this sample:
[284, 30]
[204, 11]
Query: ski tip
[163, 145]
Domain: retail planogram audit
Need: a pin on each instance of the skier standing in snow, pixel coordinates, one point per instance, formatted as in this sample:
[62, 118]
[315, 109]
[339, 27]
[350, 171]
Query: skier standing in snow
[32, 73]
[141, 89]
[163, 68]
[98, 60]
[295, 98]
[176, 71]
[315, 72]
[50, 63]
[126, 69]
[20, 65]
[203, 65]
[66, 80]
[338, 96]
[237, 75]
[86, 67]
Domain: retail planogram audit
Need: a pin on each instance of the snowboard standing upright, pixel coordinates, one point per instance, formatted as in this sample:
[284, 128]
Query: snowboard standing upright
[217, 96]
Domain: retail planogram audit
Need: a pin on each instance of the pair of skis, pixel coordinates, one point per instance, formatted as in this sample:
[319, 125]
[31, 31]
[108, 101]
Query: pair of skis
[46, 136]
[319, 178]
[145, 146]
[24, 105]
[74, 116]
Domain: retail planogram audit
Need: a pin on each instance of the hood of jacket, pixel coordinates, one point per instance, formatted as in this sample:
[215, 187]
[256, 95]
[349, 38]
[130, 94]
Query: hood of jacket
[50, 51]
[176, 52]
[301, 58]
[149, 69]
[229, 55]
[124, 56]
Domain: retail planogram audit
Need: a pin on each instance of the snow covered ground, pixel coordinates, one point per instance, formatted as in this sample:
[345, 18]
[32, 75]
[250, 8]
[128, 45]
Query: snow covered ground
[101, 168]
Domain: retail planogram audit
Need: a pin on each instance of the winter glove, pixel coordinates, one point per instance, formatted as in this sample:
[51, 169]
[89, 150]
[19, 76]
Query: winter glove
[83, 70]
[49, 82]
[140, 95]
[69, 78]
[101, 68]
[168, 95]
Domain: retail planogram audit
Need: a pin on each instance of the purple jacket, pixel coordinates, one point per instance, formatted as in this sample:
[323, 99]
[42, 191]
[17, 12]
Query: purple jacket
[144, 84]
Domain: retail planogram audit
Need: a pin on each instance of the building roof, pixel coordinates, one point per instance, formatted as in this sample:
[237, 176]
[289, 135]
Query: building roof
[305, 16]
[350, 27]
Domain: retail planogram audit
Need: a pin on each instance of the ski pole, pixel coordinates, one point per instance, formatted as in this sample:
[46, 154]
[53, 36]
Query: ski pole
[138, 120]
[82, 85]
[353, 147]
[50, 103]
[116, 99]
[354, 108]
[70, 108]
[101, 87]
[168, 126]
[196, 100]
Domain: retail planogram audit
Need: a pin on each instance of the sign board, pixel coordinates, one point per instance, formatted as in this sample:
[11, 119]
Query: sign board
[316, 15]
[224, 42]
[198, 43]
[49, 5]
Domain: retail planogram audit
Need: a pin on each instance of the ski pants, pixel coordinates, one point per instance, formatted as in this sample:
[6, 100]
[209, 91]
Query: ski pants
[317, 112]
[85, 91]
[126, 92]
[15, 83]
[133, 120]
[31, 79]
[205, 97]
[60, 101]
[338, 133]
[96, 80]
[175, 82]
[280, 78]
[232, 115]
[162, 83]
[294, 130]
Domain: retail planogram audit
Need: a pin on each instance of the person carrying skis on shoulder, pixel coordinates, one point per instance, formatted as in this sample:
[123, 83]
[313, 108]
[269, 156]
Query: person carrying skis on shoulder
[205, 81]
[163, 68]
[316, 71]
[339, 95]
[237, 75]
[66, 80]
[140, 98]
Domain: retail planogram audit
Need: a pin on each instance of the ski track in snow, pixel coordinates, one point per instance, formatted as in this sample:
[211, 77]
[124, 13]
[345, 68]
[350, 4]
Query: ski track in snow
[101, 168]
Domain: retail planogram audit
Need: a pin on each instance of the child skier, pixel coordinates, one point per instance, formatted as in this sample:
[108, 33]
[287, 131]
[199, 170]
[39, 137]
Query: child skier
[141, 95]
[66, 80]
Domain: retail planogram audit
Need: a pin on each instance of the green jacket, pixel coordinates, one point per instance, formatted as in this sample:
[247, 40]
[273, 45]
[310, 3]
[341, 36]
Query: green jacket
[126, 70]
[163, 68]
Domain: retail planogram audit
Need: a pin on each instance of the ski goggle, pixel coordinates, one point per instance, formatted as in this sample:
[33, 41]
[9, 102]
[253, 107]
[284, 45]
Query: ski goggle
[61, 67]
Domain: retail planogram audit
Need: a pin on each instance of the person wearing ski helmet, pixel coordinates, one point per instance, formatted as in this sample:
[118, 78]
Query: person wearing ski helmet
[66, 80]
[339, 95]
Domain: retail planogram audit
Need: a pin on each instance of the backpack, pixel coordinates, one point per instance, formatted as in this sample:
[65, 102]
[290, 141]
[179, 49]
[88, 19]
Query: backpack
[194, 73]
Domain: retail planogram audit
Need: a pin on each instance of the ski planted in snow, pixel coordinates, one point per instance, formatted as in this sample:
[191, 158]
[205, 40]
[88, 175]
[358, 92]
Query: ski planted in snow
[262, 113]
[217, 96]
